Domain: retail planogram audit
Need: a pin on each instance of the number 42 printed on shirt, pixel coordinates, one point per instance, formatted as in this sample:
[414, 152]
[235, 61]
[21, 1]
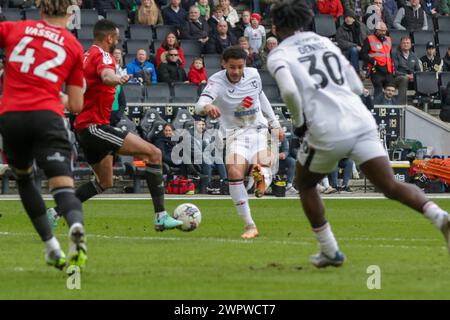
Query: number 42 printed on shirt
[27, 59]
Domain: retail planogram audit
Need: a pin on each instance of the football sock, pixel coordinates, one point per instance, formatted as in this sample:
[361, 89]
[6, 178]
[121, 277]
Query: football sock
[52, 244]
[34, 206]
[85, 192]
[155, 184]
[68, 204]
[267, 176]
[434, 213]
[161, 214]
[327, 242]
[240, 198]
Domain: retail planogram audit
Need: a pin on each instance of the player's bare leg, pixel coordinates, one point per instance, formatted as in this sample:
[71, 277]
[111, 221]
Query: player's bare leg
[151, 155]
[237, 168]
[380, 173]
[315, 212]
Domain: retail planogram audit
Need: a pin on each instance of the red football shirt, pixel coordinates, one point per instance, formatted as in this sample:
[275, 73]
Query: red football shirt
[99, 97]
[40, 58]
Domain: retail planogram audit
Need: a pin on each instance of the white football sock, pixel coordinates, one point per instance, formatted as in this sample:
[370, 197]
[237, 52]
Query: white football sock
[327, 242]
[434, 213]
[51, 245]
[240, 199]
[267, 173]
[161, 214]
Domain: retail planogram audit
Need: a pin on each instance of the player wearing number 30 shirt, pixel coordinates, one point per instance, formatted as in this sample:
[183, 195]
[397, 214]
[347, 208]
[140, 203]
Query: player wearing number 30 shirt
[41, 56]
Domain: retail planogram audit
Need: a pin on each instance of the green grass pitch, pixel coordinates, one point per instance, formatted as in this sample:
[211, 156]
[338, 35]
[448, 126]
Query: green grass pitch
[129, 260]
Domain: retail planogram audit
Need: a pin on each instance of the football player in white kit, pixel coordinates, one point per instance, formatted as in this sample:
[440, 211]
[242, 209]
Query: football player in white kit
[235, 96]
[321, 90]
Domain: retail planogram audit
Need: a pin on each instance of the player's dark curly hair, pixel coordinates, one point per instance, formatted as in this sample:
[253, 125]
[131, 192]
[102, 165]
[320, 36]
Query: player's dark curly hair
[54, 8]
[291, 15]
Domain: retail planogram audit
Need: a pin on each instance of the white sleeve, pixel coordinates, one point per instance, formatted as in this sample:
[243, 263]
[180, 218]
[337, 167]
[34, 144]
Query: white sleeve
[353, 80]
[267, 110]
[279, 69]
[209, 94]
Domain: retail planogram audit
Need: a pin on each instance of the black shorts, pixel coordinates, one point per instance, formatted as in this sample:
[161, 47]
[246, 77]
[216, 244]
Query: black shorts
[37, 135]
[99, 141]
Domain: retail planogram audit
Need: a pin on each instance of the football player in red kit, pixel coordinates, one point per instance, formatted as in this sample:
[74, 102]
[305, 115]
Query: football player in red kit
[41, 56]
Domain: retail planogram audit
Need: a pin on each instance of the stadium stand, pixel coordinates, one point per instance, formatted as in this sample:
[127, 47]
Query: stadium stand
[183, 92]
[134, 92]
[443, 23]
[162, 30]
[119, 17]
[88, 16]
[157, 92]
[423, 37]
[427, 88]
[141, 32]
[12, 14]
[32, 14]
[325, 25]
[134, 45]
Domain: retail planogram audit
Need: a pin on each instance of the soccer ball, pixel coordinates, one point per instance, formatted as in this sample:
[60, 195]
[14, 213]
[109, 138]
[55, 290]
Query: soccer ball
[189, 214]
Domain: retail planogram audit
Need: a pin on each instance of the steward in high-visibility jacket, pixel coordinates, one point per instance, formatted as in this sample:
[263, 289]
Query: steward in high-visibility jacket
[379, 55]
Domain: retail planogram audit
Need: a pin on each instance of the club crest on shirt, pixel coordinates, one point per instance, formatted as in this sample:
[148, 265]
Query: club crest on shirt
[254, 84]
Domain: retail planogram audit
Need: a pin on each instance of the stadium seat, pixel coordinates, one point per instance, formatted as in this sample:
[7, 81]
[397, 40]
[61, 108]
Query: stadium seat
[157, 92]
[141, 32]
[147, 121]
[442, 50]
[443, 23]
[325, 25]
[212, 123]
[212, 61]
[129, 57]
[420, 50]
[427, 87]
[134, 45]
[185, 92]
[444, 41]
[162, 30]
[32, 14]
[12, 14]
[182, 116]
[272, 93]
[423, 37]
[134, 92]
[266, 78]
[190, 47]
[126, 124]
[88, 16]
[120, 17]
[157, 127]
[396, 35]
[445, 78]
[85, 43]
[156, 44]
[85, 32]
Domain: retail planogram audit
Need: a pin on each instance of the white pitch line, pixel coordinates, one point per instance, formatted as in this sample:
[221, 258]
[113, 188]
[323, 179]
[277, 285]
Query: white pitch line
[256, 241]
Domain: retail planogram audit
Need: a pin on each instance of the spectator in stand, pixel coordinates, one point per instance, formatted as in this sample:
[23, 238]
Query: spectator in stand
[376, 13]
[170, 42]
[243, 23]
[444, 7]
[376, 54]
[391, 7]
[287, 163]
[388, 98]
[431, 62]
[196, 28]
[141, 69]
[255, 33]
[149, 14]
[359, 7]
[230, 14]
[271, 44]
[331, 7]
[121, 69]
[446, 60]
[406, 63]
[217, 15]
[164, 142]
[273, 33]
[347, 166]
[197, 73]
[221, 40]
[205, 9]
[411, 17]
[172, 71]
[350, 37]
[253, 58]
[174, 14]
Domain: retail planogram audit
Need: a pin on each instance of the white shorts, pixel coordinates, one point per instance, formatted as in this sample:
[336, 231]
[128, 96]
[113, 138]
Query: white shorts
[361, 148]
[247, 143]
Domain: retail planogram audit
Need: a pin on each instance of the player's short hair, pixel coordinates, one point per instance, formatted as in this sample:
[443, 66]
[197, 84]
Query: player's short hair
[103, 28]
[234, 52]
[54, 8]
[291, 15]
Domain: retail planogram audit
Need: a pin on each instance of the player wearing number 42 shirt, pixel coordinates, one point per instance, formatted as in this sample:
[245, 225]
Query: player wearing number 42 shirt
[41, 56]
[235, 96]
[321, 90]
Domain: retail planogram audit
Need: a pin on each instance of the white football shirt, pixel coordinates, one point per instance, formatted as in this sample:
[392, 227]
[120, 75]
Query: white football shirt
[242, 105]
[322, 76]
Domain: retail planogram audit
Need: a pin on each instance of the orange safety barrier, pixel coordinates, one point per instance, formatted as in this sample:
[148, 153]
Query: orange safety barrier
[434, 168]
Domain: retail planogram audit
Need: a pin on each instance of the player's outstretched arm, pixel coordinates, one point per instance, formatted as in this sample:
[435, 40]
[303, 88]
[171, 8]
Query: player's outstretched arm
[354, 81]
[204, 104]
[110, 78]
